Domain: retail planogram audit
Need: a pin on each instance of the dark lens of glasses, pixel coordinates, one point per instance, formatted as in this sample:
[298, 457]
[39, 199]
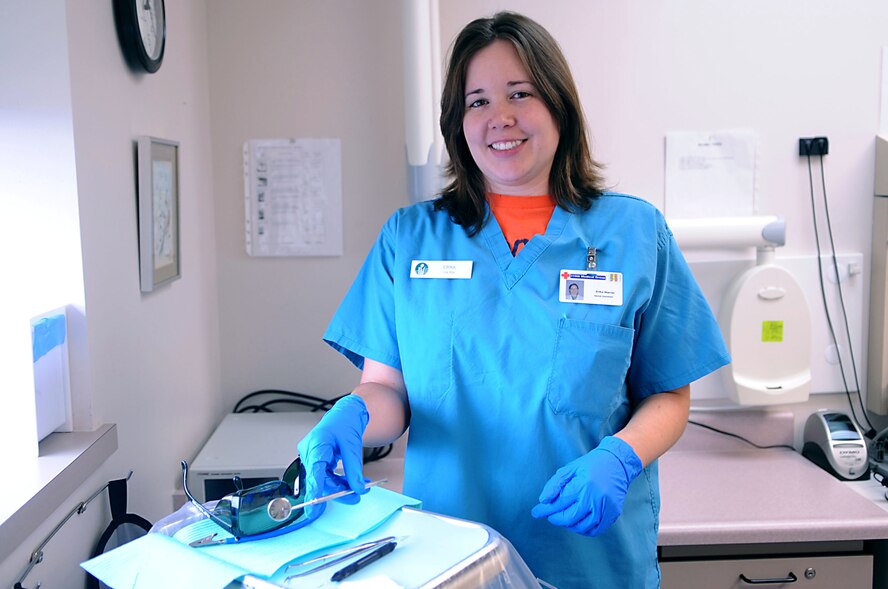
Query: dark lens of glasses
[259, 509]
[295, 477]
[264, 508]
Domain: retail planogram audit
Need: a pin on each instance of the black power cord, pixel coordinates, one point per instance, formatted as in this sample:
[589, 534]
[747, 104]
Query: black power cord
[737, 436]
[280, 397]
[272, 397]
[871, 431]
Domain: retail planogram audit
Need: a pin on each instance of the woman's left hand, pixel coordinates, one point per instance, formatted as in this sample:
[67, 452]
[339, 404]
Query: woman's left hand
[586, 495]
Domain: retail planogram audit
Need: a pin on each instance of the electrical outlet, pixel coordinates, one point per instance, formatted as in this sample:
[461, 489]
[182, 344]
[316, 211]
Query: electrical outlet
[813, 146]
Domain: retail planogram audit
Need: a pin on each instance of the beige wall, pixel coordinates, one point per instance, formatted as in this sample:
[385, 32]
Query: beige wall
[155, 356]
[300, 69]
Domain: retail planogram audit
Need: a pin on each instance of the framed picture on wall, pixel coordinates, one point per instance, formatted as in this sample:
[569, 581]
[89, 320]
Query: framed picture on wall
[158, 206]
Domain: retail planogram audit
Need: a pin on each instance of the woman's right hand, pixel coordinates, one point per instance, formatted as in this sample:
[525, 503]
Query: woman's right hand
[338, 436]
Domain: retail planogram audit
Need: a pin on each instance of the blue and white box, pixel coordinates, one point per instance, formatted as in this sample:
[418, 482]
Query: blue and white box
[52, 389]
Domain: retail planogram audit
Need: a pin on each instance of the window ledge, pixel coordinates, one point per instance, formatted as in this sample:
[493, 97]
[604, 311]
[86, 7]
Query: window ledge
[66, 461]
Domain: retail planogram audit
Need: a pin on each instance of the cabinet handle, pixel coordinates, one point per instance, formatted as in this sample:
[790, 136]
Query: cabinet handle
[788, 579]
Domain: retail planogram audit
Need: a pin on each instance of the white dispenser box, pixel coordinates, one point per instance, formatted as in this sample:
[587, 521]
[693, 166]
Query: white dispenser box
[767, 325]
[52, 387]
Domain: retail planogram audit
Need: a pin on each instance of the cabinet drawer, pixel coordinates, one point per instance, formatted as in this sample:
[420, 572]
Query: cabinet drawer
[829, 572]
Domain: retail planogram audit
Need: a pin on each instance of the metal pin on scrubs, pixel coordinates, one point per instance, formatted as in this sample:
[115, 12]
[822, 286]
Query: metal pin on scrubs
[591, 255]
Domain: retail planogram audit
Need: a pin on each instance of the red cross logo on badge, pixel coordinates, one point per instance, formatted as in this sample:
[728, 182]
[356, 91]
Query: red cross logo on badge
[565, 274]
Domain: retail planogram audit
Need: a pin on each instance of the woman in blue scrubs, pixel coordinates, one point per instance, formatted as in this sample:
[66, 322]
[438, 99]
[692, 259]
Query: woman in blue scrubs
[534, 410]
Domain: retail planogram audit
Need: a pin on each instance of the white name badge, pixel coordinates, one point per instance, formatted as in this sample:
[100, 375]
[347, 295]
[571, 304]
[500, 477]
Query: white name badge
[441, 269]
[591, 288]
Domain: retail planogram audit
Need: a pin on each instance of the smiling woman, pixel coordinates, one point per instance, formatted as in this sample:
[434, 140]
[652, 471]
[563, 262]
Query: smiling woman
[538, 77]
[599, 381]
[509, 130]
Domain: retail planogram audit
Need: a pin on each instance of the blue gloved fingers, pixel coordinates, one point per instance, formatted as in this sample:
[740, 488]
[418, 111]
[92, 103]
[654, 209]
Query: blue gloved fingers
[587, 495]
[315, 484]
[599, 520]
[325, 482]
[333, 483]
[553, 486]
[557, 504]
[353, 465]
[346, 420]
[583, 514]
[313, 512]
[591, 525]
[577, 518]
[573, 504]
[337, 436]
[542, 510]
[349, 499]
[320, 460]
[582, 500]
[336, 483]
[317, 457]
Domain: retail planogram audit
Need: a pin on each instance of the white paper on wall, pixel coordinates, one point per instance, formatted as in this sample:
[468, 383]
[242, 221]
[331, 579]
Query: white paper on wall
[293, 197]
[711, 174]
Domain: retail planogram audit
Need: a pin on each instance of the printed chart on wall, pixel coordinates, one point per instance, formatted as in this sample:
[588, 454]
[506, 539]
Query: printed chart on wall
[711, 174]
[293, 197]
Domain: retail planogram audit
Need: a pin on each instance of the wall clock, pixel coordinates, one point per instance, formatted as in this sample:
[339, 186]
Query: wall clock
[141, 28]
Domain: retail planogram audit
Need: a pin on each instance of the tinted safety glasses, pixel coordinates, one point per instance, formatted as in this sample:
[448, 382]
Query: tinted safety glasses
[263, 511]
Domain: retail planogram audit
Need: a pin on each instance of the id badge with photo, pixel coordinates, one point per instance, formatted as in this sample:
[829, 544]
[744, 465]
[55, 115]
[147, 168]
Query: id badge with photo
[588, 287]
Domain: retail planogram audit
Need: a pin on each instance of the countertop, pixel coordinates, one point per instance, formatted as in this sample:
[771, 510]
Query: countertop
[759, 496]
[715, 491]
[720, 491]
[41, 487]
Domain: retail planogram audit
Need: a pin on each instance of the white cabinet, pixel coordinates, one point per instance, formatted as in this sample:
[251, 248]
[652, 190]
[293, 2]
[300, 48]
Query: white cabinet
[798, 571]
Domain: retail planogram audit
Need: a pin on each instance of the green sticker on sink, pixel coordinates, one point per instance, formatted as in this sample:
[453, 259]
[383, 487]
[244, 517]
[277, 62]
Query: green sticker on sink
[772, 331]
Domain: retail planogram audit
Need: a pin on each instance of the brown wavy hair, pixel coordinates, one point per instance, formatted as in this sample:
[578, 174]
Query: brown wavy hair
[575, 178]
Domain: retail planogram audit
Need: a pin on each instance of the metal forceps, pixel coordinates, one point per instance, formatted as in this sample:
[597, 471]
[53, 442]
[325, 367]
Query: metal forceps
[334, 558]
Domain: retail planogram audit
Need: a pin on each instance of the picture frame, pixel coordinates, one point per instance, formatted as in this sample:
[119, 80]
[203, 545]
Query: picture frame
[157, 163]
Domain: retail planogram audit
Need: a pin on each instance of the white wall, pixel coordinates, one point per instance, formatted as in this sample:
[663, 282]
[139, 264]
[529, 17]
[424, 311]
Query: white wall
[39, 227]
[782, 69]
[154, 357]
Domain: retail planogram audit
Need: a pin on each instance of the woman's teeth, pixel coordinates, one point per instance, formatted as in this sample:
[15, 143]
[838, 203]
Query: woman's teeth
[505, 145]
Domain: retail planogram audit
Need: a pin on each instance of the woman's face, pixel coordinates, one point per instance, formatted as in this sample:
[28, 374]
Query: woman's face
[510, 132]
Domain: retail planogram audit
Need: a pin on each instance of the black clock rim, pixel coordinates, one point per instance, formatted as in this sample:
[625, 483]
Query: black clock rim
[127, 22]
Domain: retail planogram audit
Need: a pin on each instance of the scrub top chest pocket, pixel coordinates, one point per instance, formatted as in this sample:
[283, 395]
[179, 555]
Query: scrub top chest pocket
[589, 369]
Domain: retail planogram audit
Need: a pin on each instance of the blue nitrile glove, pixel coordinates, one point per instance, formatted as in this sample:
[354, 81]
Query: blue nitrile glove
[586, 495]
[337, 436]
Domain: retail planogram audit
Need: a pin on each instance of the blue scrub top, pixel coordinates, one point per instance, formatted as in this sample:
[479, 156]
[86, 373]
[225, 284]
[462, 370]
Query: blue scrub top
[506, 384]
